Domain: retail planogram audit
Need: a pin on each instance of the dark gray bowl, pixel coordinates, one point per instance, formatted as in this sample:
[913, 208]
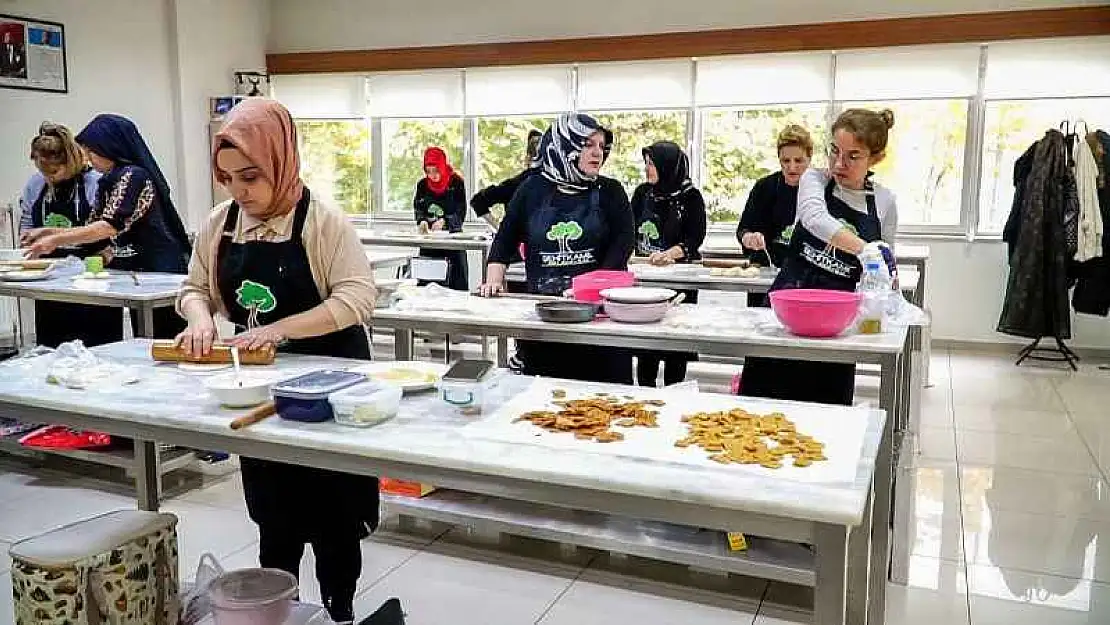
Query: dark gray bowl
[567, 312]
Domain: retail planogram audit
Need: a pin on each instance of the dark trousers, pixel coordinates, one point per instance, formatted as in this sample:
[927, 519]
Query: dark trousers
[338, 564]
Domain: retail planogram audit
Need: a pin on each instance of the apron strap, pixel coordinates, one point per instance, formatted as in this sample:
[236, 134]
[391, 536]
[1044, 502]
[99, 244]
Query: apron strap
[301, 215]
[231, 221]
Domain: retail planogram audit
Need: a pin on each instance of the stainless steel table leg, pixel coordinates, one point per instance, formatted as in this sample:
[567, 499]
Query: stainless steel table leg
[830, 593]
[884, 480]
[859, 566]
[402, 344]
[146, 321]
[146, 475]
[502, 351]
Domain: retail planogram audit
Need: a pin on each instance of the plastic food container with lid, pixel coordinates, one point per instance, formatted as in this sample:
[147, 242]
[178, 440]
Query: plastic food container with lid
[252, 597]
[305, 397]
[366, 404]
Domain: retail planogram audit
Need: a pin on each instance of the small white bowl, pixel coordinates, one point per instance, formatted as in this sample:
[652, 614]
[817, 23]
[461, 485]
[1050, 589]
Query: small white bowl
[226, 388]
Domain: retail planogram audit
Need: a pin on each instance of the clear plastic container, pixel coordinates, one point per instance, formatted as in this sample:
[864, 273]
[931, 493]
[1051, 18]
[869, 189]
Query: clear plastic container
[252, 597]
[467, 395]
[365, 405]
[305, 398]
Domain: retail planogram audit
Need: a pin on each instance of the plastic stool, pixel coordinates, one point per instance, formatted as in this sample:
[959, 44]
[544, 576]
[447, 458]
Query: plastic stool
[115, 569]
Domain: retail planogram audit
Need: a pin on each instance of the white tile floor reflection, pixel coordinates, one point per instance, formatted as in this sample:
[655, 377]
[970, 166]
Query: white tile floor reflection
[1003, 514]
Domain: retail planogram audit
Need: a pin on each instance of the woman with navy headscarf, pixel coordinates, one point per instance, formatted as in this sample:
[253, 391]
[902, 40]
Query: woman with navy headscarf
[135, 222]
[572, 221]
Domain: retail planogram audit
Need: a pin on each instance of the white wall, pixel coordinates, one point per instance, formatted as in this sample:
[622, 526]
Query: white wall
[155, 61]
[300, 25]
[118, 62]
[215, 38]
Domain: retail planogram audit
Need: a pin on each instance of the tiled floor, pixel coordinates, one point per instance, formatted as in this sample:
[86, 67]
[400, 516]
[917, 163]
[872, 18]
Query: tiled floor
[1000, 514]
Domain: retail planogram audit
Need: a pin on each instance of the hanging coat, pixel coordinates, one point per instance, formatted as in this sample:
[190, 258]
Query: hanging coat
[1092, 290]
[1036, 301]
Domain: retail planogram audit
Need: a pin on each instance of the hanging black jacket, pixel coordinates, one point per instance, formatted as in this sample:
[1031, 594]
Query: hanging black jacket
[1036, 301]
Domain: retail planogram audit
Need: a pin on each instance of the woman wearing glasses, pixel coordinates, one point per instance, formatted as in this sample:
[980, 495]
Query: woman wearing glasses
[840, 212]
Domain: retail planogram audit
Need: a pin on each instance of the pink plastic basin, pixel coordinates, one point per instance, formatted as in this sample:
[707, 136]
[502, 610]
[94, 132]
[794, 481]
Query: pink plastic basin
[816, 313]
[588, 286]
[252, 597]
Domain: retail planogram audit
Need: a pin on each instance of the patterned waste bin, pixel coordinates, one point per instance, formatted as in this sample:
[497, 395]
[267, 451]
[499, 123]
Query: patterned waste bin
[116, 569]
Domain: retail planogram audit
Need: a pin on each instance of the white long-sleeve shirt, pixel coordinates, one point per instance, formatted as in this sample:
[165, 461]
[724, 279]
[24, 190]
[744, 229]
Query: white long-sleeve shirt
[813, 213]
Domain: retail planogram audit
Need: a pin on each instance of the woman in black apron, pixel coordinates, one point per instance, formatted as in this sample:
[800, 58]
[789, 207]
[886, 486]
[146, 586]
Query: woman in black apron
[314, 289]
[62, 195]
[670, 228]
[440, 205]
[135, 221]
[838, 215]
[768, 217]
[572, 221]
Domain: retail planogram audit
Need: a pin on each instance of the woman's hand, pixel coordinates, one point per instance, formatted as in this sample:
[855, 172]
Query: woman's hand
[198, 338]
[753, 241]
[491, 289]
[439, 224]
[661, 259]
[43, 246]
[30, 236]
[259, 338]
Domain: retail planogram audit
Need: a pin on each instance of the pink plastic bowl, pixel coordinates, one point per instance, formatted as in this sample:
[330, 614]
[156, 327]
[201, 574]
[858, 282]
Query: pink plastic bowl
[816, 313]
[588, 286]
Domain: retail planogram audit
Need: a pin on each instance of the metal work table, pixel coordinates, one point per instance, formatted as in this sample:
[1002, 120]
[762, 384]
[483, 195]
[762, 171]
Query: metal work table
[467, 242]
[889, 351]
[594, 494]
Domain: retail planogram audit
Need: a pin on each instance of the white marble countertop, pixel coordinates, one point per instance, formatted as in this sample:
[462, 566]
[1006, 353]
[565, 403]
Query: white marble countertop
[470, 240]
[910, 254]
[428, 432]
[708, 328]
[683, 276]
[120, 288]
[389, 257]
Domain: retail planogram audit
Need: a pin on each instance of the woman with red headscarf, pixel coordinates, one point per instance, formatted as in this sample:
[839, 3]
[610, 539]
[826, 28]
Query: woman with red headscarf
[440, 204]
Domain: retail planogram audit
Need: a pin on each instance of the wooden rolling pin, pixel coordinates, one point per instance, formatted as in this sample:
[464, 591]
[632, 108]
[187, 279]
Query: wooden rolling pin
[167, 351]
[258, 413]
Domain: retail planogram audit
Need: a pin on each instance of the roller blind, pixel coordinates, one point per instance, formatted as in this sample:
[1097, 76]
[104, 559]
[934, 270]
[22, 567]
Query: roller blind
[518, 90]
[1070, 67]
[416, 94]
[612, 86]
[908, 72]
[763, 79]
[322, 96]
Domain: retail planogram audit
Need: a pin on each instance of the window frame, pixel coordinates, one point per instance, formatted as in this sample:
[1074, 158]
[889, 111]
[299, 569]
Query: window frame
[971, 180]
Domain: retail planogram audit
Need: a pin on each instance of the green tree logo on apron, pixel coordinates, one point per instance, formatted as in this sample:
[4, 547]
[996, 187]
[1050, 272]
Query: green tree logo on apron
[649, 230]
[786, 234]
[256, 298]
[435, 210]
[54, 220]
[564, 232]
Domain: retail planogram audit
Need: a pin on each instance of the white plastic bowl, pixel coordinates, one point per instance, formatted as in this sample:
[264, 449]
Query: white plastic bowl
[226, 388]
[367, 404]
[636, 313]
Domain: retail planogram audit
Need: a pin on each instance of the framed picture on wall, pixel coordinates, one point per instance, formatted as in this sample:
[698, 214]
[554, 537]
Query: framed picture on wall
[32, 54]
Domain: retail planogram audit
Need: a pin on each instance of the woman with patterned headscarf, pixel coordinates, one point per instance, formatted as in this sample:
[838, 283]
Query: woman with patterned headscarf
[572, 221]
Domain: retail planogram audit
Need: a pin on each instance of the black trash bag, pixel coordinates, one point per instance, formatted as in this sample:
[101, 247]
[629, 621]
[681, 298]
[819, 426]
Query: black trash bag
[390, 613]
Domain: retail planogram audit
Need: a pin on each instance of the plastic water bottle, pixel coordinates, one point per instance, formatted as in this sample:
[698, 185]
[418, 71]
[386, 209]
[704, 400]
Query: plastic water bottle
[875, 285]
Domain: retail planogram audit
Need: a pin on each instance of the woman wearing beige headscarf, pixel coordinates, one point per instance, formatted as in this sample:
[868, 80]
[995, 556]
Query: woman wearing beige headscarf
[290, 272]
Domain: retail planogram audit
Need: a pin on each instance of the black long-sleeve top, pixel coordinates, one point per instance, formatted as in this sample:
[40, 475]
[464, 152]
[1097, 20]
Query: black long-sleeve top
[618, 238]
[680, 220]
[500, 193]
[449, 205]
[771, 208]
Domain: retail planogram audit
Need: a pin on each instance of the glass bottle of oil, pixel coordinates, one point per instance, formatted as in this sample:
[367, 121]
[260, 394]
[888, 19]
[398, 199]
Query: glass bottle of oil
[874, 285]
